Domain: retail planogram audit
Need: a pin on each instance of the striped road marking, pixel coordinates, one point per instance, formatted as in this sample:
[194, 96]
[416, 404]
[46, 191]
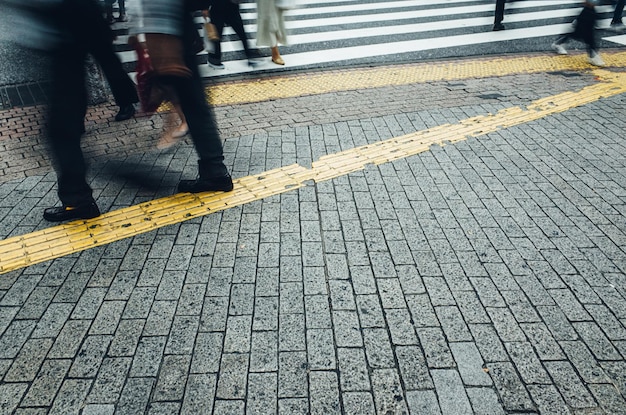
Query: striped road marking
[47, 244]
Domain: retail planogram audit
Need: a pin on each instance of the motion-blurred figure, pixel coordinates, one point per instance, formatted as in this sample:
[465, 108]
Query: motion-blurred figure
[226, 12]
[584, 31]
[62, 28]
[271, 28]
[171, 37]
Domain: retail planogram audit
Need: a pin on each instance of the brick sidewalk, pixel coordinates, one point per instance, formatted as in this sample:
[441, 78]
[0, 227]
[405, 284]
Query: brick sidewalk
[485, 276]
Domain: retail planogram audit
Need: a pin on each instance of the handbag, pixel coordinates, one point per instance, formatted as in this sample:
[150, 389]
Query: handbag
[150, 95]
[285, 4]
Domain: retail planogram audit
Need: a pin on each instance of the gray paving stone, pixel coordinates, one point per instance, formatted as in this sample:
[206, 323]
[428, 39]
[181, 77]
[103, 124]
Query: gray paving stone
[470, 364]
[453, 324]
[320, 351]
[586, 365]
[148, 357]
[324, 393]
[400, 327]
[98, 409]
[597, 342]
[126, 338]
[570, 386]
[172, 378]
[71, 396]
[20, 291]
[163, 408]
[182, 335]
[109, 381]
[33, 308]
[450, 391]
[11, 394]
[347, 328]
[262, 393]
[199, 394]
[505, 324]
[14, 338]
[512, 391]
[414, 371]
[53, 320]
[214, 314]
[295, 406]
[27, 363]
[160, 318]
[232, 381]
[388, 393]
[48, 381]
[108, 318]
[291, 332]
[370, 311]
[609, 398]
[90, 357]
[527, 363]
[485, 401]
[436, 348]
[89, 303]
[291, 296]
[353, 373]
[548, 399]
[135, 396]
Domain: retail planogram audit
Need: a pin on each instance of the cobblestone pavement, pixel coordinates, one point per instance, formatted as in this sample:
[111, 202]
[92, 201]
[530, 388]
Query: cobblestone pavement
[470, 260]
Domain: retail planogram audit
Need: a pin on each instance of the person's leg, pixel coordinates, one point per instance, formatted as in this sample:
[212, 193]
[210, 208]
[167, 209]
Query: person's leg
[108, 9]
[67, 106]
[99, 42]
[499, 15]
[122, 11]
[234, 20]
[218, 19]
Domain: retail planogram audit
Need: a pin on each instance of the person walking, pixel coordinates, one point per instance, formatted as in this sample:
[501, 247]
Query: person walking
[271, 29]
[171, 38]
[584, 30]
[226, 12]
[98, 40]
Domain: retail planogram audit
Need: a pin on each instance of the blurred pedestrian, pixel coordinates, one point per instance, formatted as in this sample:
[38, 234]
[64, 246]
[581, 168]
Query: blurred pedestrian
[226, 12]
[61, 28]
[584, 31]
[616, 23]
[98, 39]
[271, 29]
[171, 37]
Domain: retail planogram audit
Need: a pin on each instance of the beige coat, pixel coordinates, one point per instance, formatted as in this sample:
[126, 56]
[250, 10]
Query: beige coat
[270, 24]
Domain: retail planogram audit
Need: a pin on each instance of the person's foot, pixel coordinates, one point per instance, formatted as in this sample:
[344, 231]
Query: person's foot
[212, 184]
[126, 112]
[497, 27]
[617, 26]
[215, 62]
[172, 138]
[63, 213]
[596, 60]
[559, 49]
[278, 60]
[122, 17]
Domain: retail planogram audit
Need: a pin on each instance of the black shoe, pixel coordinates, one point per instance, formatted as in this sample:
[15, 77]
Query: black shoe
[213, 184]
[126, 112]
[497, 27]
[215, 62]
[63, 213]
[122, 18]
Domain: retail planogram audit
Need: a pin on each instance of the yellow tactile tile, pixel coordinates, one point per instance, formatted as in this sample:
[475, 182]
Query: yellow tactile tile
[25, 250]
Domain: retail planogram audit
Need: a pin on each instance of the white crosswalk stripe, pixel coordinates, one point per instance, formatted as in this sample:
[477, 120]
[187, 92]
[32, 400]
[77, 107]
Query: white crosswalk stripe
[325, 32]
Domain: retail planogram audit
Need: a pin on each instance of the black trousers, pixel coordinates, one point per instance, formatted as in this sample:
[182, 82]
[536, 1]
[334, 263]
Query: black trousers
[499, 14]
[66, 112]
[87, 33]
[584, 30]
[224, 13]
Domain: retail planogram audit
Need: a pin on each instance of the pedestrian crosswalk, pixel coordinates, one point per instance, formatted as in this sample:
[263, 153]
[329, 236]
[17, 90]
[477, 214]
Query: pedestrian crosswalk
[327, 33]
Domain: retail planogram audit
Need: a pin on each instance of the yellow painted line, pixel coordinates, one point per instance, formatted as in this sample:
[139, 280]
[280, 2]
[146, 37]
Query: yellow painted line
[25, 250]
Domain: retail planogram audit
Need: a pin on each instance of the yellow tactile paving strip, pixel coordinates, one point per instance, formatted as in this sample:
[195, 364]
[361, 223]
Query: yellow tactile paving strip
[25, 250]
[349, 80]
